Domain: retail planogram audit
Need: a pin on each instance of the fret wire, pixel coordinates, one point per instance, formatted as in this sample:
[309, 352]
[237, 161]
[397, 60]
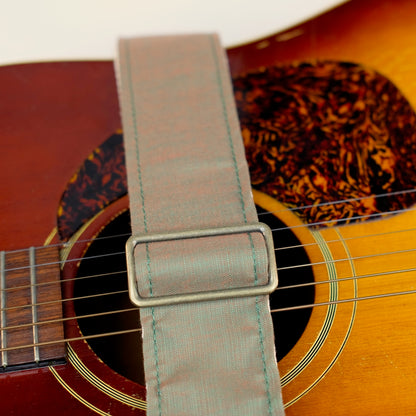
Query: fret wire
[32, 263]
[3, 323]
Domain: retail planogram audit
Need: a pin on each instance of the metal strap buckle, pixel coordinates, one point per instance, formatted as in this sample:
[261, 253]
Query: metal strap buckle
[265, 289]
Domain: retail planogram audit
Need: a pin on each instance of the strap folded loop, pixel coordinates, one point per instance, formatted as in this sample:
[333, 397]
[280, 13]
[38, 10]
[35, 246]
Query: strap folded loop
[227, 262]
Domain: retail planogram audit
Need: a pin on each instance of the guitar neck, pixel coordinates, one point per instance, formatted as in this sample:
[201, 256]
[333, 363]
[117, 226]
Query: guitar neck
[31, 308]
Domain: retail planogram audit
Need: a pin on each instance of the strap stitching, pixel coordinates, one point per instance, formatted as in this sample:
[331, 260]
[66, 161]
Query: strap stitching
[139, 173]
[227, 125]
[240, 192]
[136, 135]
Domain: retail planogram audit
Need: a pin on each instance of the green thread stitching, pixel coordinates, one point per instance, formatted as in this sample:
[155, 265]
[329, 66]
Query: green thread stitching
[263, 358]
[156, 352]
[225, 114]
[227, 125]
[139, 173]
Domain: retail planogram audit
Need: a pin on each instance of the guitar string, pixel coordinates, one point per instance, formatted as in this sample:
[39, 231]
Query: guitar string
[290, 209]
[343, 301]
[80, 338]
[61, 301]
[281, 288]
[113, 312]
[341, 201]
[78, 278]
[316, 224]
[59, 281]
[137, 329]
[70, 318]
[344, 220]
[338, 240]
[127, 235]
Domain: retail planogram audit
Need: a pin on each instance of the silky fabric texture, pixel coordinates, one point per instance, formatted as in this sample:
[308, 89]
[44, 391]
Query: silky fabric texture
[187, 170]
[180, 267]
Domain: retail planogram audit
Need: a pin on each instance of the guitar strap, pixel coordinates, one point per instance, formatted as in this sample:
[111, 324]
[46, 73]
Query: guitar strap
[199, 263]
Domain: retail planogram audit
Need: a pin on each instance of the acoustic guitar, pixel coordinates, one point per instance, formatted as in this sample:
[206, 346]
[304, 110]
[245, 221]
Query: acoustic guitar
[328, 121]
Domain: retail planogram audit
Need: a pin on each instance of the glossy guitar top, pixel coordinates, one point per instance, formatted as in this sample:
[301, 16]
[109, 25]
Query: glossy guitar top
[317, 131]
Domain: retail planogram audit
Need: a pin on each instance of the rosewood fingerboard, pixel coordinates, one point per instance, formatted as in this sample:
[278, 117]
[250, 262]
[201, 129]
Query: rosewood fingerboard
[31, 308]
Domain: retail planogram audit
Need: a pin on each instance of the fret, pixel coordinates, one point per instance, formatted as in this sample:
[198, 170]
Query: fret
[3, 321]
[33, 293]
[31, 309]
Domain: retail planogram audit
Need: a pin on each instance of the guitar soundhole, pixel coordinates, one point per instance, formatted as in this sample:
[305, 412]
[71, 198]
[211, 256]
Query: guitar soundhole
[289, 325]
[106, 291]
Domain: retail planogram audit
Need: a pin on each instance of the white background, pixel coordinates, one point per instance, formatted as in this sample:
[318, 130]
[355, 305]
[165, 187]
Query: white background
[39, 30]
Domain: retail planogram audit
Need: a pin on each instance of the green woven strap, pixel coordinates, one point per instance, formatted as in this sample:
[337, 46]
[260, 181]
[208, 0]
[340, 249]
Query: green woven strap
[187, 171]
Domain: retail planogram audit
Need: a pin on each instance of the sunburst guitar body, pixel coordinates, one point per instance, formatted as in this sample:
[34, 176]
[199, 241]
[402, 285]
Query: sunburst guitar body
[328, 121]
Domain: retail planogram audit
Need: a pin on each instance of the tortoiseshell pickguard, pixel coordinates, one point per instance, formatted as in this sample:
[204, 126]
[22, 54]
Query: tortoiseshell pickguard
[318, 133]
[98, 182]
[315, 134]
